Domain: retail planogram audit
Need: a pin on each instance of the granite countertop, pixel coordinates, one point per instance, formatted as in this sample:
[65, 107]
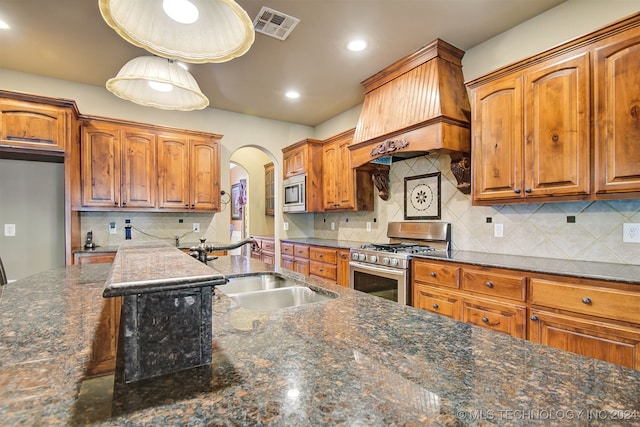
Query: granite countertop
[354, 360]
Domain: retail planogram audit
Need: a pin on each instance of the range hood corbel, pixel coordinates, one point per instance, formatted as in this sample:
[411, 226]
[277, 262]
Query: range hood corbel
[415, 106]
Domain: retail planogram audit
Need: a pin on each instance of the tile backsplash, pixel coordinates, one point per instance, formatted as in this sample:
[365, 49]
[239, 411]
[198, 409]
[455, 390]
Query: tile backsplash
[147, 226]
[534, 229]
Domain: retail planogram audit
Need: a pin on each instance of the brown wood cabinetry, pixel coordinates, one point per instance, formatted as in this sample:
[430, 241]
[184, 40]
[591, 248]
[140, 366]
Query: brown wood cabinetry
[117, 166]
[589, 317]
[295, 257]
[93, 258]
[617, 112]
[305, 158]
[269, 189]
[188, 173]
[344, 188]
[343, 267]
[322, 262]
[533, 122]
[35, 123]
[265, 249]
[531, 134]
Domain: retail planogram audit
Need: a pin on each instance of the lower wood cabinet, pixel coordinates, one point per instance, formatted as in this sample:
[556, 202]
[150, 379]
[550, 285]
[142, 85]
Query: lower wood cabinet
[322, 262]
[589, 317]
[265, 251]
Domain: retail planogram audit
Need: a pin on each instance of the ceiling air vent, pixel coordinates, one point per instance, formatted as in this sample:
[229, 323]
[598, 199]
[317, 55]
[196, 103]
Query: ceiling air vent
[273, 23]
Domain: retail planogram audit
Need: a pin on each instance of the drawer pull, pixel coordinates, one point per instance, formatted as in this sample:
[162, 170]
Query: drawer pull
[586, 300]
[433, 274]
[485, 319]
[435, 306]
[534, 317]
[489, 284]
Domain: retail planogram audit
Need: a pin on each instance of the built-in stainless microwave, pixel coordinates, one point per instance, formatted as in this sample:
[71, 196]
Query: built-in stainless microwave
[295, 194]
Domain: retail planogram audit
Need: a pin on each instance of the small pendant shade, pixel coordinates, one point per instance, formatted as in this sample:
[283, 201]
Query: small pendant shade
[222, 32]
[181, 91]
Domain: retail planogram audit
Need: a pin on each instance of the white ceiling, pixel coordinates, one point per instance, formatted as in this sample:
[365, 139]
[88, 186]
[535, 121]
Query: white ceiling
[67, 39]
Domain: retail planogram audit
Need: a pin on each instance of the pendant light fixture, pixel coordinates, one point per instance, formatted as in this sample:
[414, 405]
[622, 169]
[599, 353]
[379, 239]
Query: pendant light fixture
[196, 31]
[157, 82]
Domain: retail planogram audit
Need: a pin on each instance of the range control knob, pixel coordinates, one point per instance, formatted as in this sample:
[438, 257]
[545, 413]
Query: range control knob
[373, 258]
[362, 257]
[394, 262]
[354, 255]
[385, 261]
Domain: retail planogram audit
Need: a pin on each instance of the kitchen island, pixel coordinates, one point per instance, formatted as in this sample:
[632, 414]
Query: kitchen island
[353, 360]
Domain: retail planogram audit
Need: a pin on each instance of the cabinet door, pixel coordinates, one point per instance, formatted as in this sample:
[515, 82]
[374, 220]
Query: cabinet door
[101, 163]
[497, 140]
[343, 267]
[205, 175]
[591, 338]
[269, 189]
[173, 172]
[617, 104]
[346, 186]
[330, 162]
[138, 151]
[294, 162]
[33, 125]
[557, 133]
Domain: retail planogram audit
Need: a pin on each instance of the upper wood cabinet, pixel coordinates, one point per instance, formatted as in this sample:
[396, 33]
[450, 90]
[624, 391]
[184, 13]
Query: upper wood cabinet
[533, 122]
[188, 173]
[344, 188]
[302, 157]
[269, 189]
[531, 134]
[30, 122]
[118, 166]
[617, 107]
[143, 167]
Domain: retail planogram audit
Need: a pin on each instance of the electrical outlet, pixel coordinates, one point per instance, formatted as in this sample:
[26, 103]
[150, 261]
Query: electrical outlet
[631, 232]
[368, 226]
[285, 226]
[333, 226]
[112, 228]
[498, 230]
[9, 230]
[196, 227]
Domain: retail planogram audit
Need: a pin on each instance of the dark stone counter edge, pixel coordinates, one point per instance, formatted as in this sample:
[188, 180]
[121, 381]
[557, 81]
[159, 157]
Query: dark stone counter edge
[162, 285]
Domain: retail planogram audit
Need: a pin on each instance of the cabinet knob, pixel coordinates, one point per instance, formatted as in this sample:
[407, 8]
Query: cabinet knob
[527, 190]
[517, 191]
[534, 317]
[433, 274]
[586, 300]
[193, 206]
[320, 255]
[186, 205]
[489, 284]
[320, 270]
[435, 306]
[485, 319]
[115, 203]
[124, 203]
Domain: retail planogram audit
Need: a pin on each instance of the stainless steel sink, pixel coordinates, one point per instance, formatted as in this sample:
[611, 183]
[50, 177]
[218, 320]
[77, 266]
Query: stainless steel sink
[258, 282]
[273, 299]
[266, 292]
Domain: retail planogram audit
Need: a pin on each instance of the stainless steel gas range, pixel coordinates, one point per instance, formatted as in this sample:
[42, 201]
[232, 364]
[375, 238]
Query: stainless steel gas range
[384, 269]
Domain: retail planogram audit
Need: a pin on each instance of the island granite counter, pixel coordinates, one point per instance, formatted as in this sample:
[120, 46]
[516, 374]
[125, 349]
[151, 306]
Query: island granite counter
[354, 360]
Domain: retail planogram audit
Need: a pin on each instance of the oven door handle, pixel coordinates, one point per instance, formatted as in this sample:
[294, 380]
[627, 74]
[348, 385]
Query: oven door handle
[370, 267]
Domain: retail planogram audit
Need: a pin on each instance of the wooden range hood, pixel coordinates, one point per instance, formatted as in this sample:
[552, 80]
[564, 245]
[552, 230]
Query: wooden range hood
[415, 106]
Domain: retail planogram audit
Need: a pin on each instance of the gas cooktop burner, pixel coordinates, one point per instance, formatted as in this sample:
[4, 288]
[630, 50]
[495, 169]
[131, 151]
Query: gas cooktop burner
[405, 248]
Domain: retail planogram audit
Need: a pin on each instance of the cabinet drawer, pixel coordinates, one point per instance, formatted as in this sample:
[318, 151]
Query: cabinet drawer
[301, 251]
[287, 248]
[495, 284]
[436, 274]
[287, 262]
[268, 245]
[322, 269]
[610, 303]
[323, 254]
[504, 318]
[302, 266]
[427, 298]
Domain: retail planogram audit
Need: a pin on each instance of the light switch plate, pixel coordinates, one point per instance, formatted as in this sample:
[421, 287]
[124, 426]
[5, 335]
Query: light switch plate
[9, 230]
[631, 232]
[498, 230]
[112, 228]
[196, 227]
[368, 226]
[285, 226]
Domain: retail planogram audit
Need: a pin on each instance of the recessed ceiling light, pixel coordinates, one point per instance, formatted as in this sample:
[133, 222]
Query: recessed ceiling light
[182, 11]
[4, 25]
[357, 45]
[292, 94]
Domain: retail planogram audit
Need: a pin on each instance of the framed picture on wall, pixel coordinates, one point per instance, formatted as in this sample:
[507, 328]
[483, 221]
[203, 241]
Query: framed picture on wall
[235, 202]
[422, 196]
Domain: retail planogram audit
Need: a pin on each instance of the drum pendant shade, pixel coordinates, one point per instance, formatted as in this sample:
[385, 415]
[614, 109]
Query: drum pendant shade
[222, 32]
[132, 83]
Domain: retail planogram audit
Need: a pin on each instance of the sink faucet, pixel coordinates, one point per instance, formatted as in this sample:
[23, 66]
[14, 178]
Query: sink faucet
[200, 252]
